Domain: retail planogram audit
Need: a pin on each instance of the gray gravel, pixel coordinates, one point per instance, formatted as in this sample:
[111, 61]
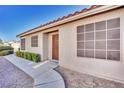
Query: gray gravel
[13, 77]
[79, 80]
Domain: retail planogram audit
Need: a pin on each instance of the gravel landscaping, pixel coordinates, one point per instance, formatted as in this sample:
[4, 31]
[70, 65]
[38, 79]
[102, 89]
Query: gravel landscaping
[13, 77]
[78, 80]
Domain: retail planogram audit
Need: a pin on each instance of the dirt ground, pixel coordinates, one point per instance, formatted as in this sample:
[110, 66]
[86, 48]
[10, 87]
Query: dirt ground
[78, 80]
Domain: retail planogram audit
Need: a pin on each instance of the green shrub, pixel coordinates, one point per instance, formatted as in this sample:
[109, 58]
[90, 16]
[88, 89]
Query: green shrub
[35, 57]
[22, 54]
[17, 53]
[6, 52]
[29, 56]
[26, 55]
[5, 48]
[10, 51]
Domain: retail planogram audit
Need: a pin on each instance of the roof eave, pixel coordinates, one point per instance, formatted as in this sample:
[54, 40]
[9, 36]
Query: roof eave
[82, 15]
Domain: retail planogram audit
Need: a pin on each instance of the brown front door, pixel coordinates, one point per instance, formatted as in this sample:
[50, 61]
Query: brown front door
[55, 47]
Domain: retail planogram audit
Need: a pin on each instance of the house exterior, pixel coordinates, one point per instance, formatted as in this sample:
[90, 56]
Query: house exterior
[89, 41]
[14, 44]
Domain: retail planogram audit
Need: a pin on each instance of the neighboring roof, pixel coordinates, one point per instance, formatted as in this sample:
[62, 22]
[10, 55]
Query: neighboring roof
[85, 10]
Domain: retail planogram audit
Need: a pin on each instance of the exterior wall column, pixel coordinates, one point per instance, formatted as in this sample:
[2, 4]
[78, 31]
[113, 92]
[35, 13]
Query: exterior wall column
[45, 47]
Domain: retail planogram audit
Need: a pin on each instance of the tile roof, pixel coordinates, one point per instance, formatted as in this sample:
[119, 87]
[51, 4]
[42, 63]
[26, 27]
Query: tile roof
[64, 17]
[73, 14]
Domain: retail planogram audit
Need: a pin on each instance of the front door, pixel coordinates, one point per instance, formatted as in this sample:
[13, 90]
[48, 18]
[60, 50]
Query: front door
[55, 47]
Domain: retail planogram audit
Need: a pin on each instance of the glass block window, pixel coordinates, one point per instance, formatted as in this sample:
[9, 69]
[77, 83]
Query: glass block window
[34, 41]
[23, 44]
[99, 40]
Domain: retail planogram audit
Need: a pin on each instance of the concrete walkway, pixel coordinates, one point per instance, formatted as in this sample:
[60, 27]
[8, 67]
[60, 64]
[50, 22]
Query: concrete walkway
[43, 74]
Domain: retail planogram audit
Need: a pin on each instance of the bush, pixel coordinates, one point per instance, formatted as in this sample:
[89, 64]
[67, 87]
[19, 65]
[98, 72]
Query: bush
[22, 54]
[10, 51]
[30, 56]
[5, 48]
[26, 55]
[35, 57]
[17, 53]
[6, 52]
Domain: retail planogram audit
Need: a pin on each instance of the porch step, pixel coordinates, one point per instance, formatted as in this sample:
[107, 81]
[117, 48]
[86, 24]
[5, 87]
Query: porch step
[48, 79]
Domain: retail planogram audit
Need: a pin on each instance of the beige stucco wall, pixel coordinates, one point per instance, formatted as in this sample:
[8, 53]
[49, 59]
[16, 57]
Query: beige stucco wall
[99, 67]
[34, 49]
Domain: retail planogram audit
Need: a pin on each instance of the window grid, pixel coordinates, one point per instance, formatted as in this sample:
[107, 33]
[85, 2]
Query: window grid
[34, 41]
[99, 49]
[99, 30]
[84, 40]
[107, 30]
[94, 39]
[23, 44]
[106, 38]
